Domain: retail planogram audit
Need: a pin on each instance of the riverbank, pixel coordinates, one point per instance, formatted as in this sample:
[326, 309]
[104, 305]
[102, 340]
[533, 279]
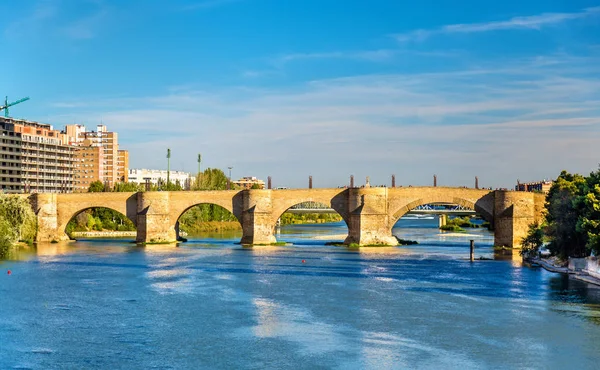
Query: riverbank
[211, 226]
[584, 269]
[103, 234]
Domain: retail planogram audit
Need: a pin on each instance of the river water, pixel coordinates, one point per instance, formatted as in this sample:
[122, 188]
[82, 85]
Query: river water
[210, 303]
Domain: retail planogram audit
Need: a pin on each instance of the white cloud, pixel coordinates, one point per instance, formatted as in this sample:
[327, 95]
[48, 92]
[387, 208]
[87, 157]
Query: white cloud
[524, 119]
[534, 22]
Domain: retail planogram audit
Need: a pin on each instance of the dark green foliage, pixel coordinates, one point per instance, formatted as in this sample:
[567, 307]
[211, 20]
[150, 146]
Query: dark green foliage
[573, 215]
[462, 222]
[211, 179]
[191, 220]
[452, 227]
[406, 242]
[562, 216]
[99, 219]
[96, 187]
[125, 187]
[17, 222]
[305, 218]
[531, 244]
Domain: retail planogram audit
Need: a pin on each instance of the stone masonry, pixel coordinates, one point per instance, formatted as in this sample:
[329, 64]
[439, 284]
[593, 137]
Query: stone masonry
[370, 213]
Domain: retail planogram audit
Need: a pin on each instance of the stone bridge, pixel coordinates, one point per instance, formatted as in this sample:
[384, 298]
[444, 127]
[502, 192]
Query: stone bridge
[370, 213]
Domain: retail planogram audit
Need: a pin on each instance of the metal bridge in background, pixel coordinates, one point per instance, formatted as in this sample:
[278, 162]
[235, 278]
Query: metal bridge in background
[425, 209]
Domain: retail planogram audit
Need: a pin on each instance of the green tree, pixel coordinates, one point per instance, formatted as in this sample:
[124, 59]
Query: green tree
[588, 206]
[211, 179]
[96, 187]
[531, 244]
[125, 187]
[17, 222]
[563, 216]
[191, 220]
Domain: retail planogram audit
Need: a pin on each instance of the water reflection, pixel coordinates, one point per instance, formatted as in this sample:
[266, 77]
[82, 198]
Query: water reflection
[207, 304]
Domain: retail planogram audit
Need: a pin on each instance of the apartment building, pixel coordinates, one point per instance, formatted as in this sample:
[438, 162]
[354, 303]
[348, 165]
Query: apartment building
[89, 167]
[10, 161]
[35, 158]
[114, 162]
[123, 165]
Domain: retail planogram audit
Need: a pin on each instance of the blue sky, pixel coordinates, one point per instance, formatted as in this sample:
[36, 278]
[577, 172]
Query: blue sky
[502, 90]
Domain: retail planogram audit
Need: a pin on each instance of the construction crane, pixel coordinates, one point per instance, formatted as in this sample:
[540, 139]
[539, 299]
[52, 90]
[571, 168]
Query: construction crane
[7, 104]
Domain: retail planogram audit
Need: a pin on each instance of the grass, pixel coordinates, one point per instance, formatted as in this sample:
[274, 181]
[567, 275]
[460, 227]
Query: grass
[454, 228]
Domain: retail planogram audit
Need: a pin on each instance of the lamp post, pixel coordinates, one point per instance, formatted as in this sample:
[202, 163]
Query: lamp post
[229, 182]
[199, 160]
[168, 166]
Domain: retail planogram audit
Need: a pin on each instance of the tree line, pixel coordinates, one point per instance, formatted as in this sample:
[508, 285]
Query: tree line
[192, 221]
[17, 222]
[571, 225]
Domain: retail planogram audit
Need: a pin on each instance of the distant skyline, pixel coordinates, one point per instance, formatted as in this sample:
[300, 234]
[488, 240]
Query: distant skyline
[499, 90]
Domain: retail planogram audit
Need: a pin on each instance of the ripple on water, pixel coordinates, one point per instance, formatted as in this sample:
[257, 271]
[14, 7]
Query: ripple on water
[42, 351]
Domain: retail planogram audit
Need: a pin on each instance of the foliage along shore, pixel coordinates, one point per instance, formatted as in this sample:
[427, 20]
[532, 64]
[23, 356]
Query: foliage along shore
[457, 224]
[18, 223]
[571, 225]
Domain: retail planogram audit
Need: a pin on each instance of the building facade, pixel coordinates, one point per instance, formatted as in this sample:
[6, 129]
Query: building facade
[114, 165]
[89, 167]
[157, 177]
[539, 186]
[35, 158]
[249, 182]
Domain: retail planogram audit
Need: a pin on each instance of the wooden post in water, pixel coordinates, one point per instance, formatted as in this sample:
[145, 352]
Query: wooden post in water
[472, 250]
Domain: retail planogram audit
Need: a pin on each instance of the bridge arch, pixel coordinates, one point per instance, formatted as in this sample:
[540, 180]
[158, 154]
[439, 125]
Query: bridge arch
[483, 204]
[62, 227]
[331, 198]
[178, 220]
[70, 205]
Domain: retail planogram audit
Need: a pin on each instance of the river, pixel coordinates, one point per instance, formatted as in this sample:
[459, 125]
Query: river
[212, 304]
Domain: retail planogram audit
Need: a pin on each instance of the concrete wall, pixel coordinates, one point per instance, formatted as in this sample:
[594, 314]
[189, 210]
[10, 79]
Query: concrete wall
[370, 213]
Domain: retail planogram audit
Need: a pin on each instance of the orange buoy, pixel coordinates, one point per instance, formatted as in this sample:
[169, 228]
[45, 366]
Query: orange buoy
[303, 261]
[9, 272]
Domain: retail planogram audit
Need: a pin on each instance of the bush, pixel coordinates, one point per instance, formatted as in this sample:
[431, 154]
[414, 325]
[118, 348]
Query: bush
[530, 245]
[451, 227]
[17, 213]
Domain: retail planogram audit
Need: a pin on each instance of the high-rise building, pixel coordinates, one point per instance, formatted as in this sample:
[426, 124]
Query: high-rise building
[35, 158]
[89, 167]
[123, 165]
[114, 165]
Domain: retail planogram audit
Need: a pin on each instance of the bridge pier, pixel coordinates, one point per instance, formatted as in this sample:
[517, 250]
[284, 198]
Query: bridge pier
[514, 211]
[257, 217]
[45, 206]
[369, 217]
[154, 224]
[442, 220]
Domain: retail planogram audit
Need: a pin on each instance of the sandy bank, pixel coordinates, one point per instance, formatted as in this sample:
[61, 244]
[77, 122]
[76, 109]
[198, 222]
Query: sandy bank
[340, 237]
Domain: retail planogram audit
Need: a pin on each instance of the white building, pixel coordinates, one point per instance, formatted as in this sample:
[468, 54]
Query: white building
[139, 176]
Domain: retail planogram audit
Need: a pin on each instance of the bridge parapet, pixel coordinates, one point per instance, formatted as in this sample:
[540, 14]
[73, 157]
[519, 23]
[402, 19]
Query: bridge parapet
[370, 213]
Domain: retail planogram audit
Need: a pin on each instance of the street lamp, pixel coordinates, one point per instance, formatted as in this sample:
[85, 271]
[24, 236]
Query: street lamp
[229, 182]
[168, 166]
